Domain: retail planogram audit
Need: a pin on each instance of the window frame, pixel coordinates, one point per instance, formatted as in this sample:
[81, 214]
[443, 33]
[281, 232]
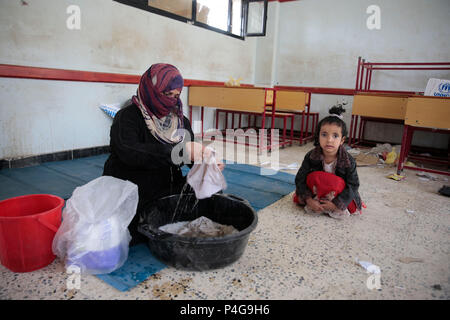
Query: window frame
[263, 33]
[143, 5]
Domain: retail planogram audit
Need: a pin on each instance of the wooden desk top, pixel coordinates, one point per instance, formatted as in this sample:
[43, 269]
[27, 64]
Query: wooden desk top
[428, 112]
[380, 106]
[230, 98]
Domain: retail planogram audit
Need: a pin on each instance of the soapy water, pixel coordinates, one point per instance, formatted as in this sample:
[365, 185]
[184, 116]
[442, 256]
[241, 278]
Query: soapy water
[184, 201]
[199, 227]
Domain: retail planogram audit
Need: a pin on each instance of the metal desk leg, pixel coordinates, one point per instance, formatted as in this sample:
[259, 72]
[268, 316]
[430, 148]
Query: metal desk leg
[217, 119]
[301, 127]
[403, 152]
[292, 129]
[350, 135]
[202, 120]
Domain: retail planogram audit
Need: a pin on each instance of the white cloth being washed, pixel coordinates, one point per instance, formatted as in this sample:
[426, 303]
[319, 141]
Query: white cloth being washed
[206, 178]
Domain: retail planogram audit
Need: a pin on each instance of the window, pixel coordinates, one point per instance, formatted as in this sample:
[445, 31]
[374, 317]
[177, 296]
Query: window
[181, 8]
[236, 18]
[256, 18]
[213, 13]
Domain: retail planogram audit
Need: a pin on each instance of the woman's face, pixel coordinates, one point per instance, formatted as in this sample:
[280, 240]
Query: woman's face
[175, 93]
[330, 138]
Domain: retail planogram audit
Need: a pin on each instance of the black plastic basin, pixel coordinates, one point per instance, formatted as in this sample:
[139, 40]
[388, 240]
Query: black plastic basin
[192, 253]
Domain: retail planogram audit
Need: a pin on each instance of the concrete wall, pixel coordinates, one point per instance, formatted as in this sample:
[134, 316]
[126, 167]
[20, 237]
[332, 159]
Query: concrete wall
[308, 43]
[319, 43]
[266, 49]
[48, 116]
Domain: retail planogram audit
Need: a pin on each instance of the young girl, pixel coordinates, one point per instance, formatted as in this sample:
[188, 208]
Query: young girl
[327, 180]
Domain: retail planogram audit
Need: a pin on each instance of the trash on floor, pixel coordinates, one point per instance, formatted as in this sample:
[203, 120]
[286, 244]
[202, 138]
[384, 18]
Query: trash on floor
[391, 157]
[379, 155]
[409, 211]
[353, 151]
[396, 177]
[426, 176]
[370, 268]
[364, 160]
[380, 148]
[445, 191]
[410, 259]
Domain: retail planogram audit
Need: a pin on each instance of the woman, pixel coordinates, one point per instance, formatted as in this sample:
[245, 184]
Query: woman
[143, 136]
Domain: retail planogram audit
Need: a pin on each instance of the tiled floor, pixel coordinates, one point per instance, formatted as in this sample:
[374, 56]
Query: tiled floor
[293, 255]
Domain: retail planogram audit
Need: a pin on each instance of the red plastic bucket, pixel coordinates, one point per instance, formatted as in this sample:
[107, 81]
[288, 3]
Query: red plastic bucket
[27, 227]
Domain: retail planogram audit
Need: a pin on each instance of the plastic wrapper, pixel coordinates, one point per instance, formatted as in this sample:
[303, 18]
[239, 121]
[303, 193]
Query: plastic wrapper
[369, 266]
[94, 232]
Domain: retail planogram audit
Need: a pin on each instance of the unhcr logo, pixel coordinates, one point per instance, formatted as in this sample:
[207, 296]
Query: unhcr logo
[444, 87]
[444, 90]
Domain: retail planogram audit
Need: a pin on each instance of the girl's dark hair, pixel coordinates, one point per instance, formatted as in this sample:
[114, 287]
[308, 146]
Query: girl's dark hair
[337, 110]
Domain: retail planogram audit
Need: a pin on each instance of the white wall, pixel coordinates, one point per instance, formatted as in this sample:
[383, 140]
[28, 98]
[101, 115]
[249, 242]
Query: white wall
[39, 116]
[308, 43]
[319, 43]
[266, 49]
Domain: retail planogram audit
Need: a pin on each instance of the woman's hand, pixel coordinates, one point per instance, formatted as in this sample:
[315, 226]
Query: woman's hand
[199, 153]
[315, 205]
[221, 165]
[195, 150]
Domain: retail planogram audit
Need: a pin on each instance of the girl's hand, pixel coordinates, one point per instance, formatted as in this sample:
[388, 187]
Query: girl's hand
[314, 205]
[328, 205]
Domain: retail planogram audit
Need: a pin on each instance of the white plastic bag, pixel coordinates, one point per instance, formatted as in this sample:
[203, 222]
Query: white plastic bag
[206, 178]
[94, 232]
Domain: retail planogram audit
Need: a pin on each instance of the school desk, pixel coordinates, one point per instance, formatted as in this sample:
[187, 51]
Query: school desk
[375, 107]
[427, 114]
[237, 100]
